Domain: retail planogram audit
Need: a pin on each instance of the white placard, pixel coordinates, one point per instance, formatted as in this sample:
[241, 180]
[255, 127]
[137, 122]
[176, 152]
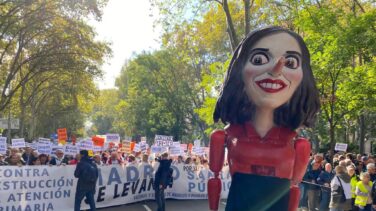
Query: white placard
[44, 148]
[55, 148]
[70, 149]
[3, 145]
[18, 143]
[113, 138]
[175, 150]
[341, 147]
[137, 147]
[44, 140]
[198, 150]
[86, 144]
[197, 143]
[143, 146]
[156, 149]
[163, 140]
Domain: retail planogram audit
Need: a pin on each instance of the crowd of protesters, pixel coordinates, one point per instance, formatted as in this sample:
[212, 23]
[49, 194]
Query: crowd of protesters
[344, 183]
[29, 156]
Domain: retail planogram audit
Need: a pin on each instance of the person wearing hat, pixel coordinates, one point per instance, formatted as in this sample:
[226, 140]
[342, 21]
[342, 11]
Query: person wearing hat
[2, 161]
[87, 174]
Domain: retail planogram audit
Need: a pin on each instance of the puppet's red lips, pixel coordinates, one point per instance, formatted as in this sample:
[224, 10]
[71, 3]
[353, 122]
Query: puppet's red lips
[270, 85]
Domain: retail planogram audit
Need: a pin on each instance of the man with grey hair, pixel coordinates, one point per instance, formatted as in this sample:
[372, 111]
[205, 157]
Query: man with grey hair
[59, 159]
[371, 171]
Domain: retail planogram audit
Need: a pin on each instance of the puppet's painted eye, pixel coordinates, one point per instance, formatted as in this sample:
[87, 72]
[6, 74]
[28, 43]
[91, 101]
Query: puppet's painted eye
[292, 62]
[259, 59]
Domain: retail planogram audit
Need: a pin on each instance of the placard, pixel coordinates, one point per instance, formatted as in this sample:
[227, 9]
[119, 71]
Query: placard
[198, 150]
[97, 149]
[55, 148]
[44, 140]
[137, 148]
[175, 150]
[86, 144]
[3, 145]
[197, 143]
[113, 138]
[156, 149]
[341, 147]
[44, 148]
[163, 140]
[70, 149]
[126, 147]
[18, 143]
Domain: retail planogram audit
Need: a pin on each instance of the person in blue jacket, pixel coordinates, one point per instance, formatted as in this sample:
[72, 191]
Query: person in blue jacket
[324, 179]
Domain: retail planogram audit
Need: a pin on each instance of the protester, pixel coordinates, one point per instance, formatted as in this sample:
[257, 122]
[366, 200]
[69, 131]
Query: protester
[114, 159]
[27, 156]
[97, 159]
[43, 158]
[324, 179]
[87, 174]
[75, 160]
[371, 171]
[59, 159]
[354, 180]
[340, 199]
[363, 192]
[313, 190]
[2, 161]
[16, 160]
[161, 180]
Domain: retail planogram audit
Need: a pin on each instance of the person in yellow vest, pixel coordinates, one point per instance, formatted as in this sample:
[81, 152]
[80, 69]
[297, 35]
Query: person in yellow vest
[363, 193]
[354, 180]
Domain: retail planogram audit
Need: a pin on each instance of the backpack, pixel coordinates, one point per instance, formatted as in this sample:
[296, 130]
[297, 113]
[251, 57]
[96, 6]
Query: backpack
[90, 174]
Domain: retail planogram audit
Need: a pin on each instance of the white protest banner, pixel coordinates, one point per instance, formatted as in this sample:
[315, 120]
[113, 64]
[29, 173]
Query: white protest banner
[118, 185]
[44, 148]
[18, 143]
[3, 145]
[86, 144]
[160, 140]
[197, 143]
[113, 138]
[70, 149]
[156, 149]
[341, 147]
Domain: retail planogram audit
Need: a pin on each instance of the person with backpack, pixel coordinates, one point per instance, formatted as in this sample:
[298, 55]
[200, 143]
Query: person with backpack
[87, 174]
[163, 178]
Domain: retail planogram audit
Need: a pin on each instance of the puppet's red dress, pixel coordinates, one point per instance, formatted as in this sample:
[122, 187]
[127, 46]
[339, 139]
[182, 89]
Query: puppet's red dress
[264, 170]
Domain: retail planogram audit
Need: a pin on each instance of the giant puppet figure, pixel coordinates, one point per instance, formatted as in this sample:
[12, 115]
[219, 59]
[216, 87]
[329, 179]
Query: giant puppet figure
[269, 92]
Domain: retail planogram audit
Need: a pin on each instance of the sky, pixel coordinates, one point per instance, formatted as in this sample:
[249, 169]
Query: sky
[128, 26]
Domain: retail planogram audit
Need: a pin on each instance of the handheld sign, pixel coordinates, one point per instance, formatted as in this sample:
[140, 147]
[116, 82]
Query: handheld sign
[44, 148]
[341, 147]
[18, 143]
[70, 149]
[113, 138]
[86, 144]
[3, 145]
[164, 141]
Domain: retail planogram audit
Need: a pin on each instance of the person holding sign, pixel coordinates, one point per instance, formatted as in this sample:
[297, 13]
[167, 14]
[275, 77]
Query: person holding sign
[269, 92]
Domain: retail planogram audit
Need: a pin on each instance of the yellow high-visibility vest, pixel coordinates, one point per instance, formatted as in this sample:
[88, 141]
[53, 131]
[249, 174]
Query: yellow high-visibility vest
[353, 182]
[362, 200]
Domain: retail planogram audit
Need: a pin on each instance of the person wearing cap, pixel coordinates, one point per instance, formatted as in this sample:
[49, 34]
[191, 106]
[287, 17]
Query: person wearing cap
[2, 161]
[85, 185]
[59, 159]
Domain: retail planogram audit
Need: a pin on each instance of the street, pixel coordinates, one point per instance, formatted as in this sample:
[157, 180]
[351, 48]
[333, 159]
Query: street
[171, 205]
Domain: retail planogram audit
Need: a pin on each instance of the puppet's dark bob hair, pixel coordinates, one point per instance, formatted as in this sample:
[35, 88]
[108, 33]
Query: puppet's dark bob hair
[233, 105]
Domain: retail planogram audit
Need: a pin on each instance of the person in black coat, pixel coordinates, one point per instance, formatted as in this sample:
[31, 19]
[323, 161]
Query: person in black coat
[161, 180]
[87, 174]
[313, 191]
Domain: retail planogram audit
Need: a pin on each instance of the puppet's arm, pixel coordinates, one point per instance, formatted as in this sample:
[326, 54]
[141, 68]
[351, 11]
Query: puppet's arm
[302, 151]
[216, 159]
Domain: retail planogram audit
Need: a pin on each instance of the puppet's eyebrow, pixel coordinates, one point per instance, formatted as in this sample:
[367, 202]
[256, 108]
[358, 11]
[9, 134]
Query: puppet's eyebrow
[260, 49]
[294, 52]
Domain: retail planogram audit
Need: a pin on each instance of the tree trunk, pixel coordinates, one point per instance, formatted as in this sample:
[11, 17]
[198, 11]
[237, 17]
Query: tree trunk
[247, 8]
[332, 138]
[362, 133]
[231, 29]
[23, 111]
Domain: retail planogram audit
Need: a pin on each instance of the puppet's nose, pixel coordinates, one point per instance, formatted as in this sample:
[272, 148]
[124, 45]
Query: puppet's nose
[277, 69]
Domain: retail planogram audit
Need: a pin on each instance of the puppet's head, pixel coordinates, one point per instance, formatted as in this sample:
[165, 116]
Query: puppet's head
[269, 69]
